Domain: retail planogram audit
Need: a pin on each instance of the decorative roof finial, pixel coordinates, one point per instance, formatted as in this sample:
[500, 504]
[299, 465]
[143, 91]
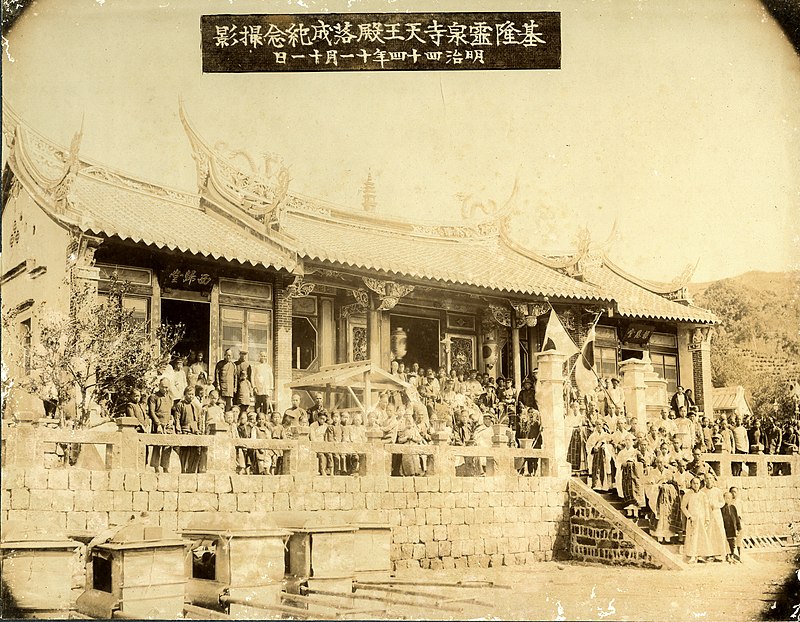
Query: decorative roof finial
[368, 190]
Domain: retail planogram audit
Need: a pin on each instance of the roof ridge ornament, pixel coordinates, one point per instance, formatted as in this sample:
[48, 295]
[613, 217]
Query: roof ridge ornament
[369, 202]
[62, 188]
[389, 292]
[259, 193]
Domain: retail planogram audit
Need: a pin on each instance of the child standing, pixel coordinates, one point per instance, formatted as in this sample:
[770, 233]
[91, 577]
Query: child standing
[733, 527]
[244, 393]
[335, 434]
[317, 434]
[278, 433]
[263, 457]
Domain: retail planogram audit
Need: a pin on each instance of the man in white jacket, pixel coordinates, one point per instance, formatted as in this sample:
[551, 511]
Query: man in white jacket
[263, 382]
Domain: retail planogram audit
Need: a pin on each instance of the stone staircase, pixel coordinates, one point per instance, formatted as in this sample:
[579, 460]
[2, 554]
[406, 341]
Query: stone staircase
[645, 521]
[601, 532]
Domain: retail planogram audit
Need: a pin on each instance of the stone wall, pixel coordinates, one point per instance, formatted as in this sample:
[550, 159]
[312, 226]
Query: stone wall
[769, 505]
[437, 522]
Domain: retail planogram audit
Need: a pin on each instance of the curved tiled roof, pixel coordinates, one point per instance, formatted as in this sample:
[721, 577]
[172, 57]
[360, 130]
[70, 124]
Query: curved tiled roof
[481, 262]
[635, 301]
[106, 202]
[115, 210]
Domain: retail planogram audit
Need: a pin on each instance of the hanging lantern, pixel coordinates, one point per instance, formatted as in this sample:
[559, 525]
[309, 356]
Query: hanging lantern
[489, 352]
[399, 343]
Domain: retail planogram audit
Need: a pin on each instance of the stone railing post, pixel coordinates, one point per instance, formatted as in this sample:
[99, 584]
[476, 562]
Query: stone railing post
[725, 469]
[550, 397]
[221, 457]
[128, 453]
[444, 460]
[21, 445]
[634, 388]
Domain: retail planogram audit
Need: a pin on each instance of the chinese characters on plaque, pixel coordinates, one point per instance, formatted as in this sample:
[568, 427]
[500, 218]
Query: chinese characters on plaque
[186, 278]
[380, 41]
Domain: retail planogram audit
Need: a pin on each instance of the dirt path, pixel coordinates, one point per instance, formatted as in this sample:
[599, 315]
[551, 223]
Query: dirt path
[572, 591]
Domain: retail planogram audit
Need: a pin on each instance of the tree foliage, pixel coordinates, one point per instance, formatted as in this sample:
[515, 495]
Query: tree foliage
[95, 353]
[748, 313]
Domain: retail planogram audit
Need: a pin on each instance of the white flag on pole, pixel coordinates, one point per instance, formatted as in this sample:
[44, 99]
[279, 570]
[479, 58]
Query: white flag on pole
[556, 337]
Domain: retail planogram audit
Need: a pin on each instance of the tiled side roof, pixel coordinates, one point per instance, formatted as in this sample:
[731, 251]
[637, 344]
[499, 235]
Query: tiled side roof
[729, 398]
[113, 210]
[635, 301]
[478, 262]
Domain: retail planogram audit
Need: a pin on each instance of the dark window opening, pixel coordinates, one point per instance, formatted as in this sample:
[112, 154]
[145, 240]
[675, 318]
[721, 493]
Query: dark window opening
[421, 342]
[304, 343]
[204, 560]
[101, 572]
[196, 318]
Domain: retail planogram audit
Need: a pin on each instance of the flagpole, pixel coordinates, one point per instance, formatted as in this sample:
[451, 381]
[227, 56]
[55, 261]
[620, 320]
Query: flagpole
[575, 364]
[599, 380]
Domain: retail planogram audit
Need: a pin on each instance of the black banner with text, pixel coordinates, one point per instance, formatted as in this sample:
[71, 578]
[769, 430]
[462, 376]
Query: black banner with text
[380, 42]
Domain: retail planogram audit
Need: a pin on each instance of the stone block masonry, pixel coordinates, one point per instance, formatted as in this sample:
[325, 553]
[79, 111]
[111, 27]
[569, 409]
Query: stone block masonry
[437, 521]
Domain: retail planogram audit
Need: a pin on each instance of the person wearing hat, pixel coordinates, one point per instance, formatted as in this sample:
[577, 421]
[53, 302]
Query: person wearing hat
[615, 398]
[243, 365]
[226, 379]
[527, 397]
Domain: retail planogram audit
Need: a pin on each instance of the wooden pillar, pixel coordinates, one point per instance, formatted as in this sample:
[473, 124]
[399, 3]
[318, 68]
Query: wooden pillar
[214, 354]
[374, 336]
[155, 310]
[327, 332]
[515, 356]
[533, 347]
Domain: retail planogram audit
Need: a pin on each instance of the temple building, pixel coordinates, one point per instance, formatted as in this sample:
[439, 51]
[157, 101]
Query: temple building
[245, 263]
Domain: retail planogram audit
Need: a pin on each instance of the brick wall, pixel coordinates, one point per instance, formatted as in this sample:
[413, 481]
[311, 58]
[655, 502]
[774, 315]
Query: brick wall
[437, 522]
[599, 533]
[283, 342]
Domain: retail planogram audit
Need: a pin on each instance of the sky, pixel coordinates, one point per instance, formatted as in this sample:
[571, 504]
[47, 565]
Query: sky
[679, 119]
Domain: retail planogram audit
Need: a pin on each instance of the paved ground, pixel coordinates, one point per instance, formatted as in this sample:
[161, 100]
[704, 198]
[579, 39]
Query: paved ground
[572, 591]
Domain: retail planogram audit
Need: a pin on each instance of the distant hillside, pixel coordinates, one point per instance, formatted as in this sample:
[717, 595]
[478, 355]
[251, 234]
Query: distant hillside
[785, 284]
[758, 341]
[759, 310]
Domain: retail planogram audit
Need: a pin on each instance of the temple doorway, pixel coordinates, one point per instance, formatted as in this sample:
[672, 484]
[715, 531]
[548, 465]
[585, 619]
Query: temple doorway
[195, 317]
[422, 345]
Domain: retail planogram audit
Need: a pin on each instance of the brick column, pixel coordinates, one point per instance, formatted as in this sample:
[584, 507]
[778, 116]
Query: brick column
[550, 396]
[282, 360]
[700, 347]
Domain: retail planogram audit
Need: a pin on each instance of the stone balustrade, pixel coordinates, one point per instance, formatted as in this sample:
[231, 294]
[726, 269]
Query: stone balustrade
[27, 445]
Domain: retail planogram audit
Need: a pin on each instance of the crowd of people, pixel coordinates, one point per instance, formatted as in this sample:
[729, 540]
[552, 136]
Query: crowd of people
[659, 473]
[237, 396]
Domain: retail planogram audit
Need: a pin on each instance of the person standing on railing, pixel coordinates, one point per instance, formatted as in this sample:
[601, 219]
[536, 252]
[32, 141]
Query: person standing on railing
[159, 407]
[262, 463]
[278, 433]
[293, 415]
[226, 379]
[741, 442]
[263, 382]
[187, 415]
